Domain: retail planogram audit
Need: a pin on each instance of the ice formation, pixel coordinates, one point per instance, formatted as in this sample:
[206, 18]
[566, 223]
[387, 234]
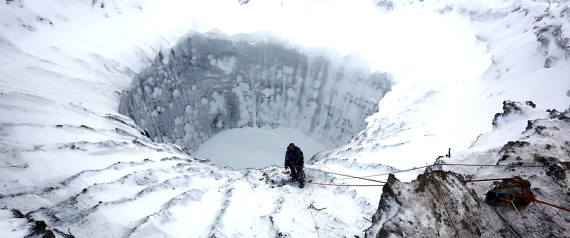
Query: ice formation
[208, 83]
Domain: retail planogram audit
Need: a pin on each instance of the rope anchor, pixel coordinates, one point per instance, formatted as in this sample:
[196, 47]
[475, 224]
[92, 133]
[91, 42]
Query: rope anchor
[526, 196]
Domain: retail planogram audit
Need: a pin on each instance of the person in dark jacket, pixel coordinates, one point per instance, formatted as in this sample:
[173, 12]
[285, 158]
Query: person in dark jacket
[294, 159]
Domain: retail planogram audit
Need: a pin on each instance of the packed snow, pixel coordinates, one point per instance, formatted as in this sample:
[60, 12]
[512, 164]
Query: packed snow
[71, 165]
[256, 147]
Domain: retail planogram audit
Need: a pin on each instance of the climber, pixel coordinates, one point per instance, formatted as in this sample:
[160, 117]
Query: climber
[294, 159]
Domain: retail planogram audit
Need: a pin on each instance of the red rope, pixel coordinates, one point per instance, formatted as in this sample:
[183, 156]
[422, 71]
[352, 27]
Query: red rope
[559, 207]
[527, 195]
[347, 185]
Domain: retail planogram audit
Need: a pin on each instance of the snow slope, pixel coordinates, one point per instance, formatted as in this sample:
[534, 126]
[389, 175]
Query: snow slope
[243, 141]
[69, 159]
[425, 115]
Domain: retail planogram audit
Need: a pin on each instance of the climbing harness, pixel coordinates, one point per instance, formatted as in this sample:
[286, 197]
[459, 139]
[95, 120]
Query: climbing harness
[299, 175]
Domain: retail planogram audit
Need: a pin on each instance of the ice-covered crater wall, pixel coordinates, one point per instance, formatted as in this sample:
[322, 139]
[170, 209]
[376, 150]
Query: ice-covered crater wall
[206, 84]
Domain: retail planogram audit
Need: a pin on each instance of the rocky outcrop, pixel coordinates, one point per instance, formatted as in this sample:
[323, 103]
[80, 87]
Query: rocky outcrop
[520, 187]
[209, 83]
[438, 204]
[510, 107]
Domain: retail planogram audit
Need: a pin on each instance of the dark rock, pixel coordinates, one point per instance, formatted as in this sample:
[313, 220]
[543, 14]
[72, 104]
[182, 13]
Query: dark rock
[18, 214]
[438, 204]
[512, 145]
[532, 124]
[549, 62]
[529, 125]
[556, 168]
[504, 157]
[564, 116]
[557, 171]
[146, 134]
[39, 230]
[511, 107]
[502, 193]
[63, 234]
[86, 127]
[548, 146]
[48, 234]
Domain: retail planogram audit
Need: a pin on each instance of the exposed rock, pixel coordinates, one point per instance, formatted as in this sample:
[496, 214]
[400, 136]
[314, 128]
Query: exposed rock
[540, 155]
[511, 107]
[553, 43]
[438, 204]
[39, 230]
[513, 144]
[565, 116]
[556, 168]
[17, 213]
[502, 193]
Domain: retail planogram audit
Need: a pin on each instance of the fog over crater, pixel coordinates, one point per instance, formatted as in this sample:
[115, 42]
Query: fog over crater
[208, 83]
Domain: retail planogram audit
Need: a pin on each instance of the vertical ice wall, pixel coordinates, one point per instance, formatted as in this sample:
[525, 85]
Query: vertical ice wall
[206, 84]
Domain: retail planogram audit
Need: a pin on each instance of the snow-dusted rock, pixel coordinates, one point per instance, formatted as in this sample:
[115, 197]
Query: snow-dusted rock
[438, 204]
[442, 203]
[510, 107]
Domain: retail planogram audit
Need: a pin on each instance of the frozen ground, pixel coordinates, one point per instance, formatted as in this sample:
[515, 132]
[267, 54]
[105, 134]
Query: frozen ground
[256, 147]
[69, 159]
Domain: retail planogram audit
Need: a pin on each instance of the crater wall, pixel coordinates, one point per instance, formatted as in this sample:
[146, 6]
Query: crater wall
[209, 83]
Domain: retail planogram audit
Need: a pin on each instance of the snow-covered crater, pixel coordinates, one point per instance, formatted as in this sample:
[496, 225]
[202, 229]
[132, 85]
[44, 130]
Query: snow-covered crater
[208, 83]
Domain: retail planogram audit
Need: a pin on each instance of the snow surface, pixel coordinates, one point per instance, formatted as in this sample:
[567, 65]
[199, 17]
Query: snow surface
[68, 158]
[10, 226]
[235, 147]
